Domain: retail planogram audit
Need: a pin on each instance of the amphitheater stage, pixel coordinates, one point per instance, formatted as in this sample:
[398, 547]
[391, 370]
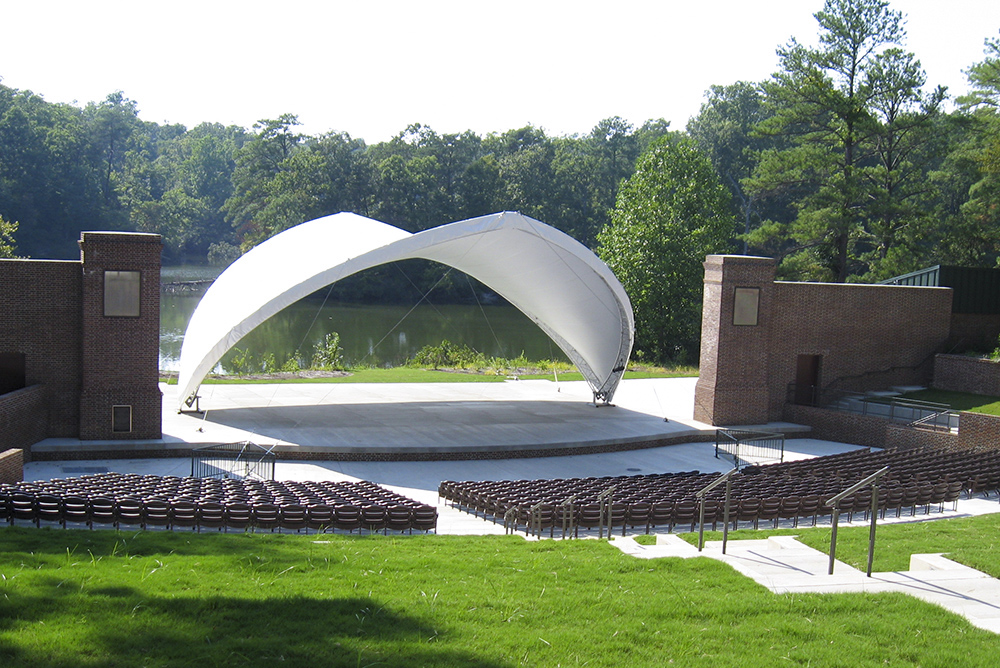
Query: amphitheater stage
[428, 421]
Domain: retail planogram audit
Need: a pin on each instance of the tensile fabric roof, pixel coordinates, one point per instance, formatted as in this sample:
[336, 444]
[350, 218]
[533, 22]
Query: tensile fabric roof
[549, 276]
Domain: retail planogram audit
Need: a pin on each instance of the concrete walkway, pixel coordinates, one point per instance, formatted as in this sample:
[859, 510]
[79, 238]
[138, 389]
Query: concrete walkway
[785, 566]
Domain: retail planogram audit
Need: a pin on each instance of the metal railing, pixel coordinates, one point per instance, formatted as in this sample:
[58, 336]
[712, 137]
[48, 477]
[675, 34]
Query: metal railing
[749, 447]
[834, 502]
[941, 421]
[700, 494]
[913, 412]
[240, 461]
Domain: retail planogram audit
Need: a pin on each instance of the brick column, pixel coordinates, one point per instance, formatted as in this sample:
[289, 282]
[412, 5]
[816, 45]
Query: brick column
[732, 385]
[121, 332]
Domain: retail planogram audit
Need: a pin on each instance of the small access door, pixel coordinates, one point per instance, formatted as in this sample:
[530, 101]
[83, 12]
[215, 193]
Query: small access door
[12, 372]
[807, 369]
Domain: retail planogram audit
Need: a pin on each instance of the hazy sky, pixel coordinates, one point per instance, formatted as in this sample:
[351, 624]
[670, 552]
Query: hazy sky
[371, 68]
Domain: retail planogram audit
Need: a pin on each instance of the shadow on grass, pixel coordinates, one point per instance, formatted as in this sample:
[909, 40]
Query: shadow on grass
[60, 606]
[70, 625]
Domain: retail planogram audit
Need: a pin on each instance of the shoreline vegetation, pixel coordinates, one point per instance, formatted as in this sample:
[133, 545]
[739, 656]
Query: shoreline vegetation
[443, 363]
[410, 374]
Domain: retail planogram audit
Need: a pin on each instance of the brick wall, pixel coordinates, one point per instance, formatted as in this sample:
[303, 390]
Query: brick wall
[40, 318]
[11, 466]
[870, 337]
[839, 426]
[864, 337]
[24, 417]
[977, 430]
[901, 436]
[732, 380]
[959, 373]
[874, 432]
[52, 313]
[121, 360]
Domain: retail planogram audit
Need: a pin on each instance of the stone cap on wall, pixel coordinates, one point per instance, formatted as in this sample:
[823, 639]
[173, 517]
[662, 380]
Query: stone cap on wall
[125, 237]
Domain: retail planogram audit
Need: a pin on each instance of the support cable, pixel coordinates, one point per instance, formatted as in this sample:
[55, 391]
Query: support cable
[407, 314]
[485, 317]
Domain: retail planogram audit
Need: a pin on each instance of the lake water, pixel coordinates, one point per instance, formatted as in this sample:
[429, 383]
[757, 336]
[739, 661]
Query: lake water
[369, 334]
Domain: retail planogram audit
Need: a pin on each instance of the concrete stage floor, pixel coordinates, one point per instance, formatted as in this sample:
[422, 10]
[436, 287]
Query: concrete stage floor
[474, 419]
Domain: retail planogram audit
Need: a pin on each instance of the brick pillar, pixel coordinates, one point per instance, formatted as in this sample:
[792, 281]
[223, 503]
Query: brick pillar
[121, 333]
[732, 384]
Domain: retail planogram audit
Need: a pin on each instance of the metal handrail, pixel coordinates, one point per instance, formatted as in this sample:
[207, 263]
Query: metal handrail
[604, 499]
[932, 421]
[724, 478]
[834, 502]
[511, 516]
[567, 517]
[534, 520]
[868, 401]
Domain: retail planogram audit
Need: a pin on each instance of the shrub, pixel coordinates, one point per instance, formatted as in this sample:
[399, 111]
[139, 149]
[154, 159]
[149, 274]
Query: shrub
[328, 354]
[448, 355]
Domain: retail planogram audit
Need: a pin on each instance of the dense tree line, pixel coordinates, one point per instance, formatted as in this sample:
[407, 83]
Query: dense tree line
[846, 164]
[213, 189]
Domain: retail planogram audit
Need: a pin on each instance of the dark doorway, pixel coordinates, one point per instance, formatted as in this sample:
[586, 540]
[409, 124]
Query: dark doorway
[807, 369]
[12, 376]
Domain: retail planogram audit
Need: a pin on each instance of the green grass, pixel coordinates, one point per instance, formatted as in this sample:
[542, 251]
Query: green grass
[641, 372]
[102, 598]
[368, 375]
[973, 541]
[960, 401]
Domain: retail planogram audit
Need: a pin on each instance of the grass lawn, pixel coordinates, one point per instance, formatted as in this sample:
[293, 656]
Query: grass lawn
[103, 598]
[960, 401]
[393, 375]
[973, 541]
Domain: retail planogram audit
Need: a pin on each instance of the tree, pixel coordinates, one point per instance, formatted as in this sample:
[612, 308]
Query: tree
[669, 215]
[898, 219]
[724, 130]
[48, 174]
[258, 162]
[976, 237]
[823, 103]
[984, 78]
[116, 129]
[8, 228]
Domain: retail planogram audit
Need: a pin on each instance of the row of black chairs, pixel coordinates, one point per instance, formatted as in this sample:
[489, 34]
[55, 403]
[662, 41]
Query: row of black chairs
[226, 490]
[917, 480]
[100, 503]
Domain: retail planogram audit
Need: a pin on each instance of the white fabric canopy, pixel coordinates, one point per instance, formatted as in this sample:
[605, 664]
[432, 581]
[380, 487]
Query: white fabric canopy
[549, 276]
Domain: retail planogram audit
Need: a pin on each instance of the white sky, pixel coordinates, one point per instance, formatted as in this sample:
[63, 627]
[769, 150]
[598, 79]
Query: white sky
[370, 67]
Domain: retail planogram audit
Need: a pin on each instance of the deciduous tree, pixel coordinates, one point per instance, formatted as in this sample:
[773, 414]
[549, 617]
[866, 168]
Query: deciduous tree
[8, 247]
[669, 215]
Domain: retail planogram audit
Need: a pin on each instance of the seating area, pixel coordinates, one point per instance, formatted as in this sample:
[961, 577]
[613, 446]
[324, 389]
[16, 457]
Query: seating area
[918, 481]
[122, 500]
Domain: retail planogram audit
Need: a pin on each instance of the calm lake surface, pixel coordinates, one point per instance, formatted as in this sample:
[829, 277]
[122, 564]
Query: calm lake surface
[369, 334]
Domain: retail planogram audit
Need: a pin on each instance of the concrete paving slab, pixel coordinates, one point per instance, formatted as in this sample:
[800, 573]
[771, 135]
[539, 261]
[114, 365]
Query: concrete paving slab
[786, 566]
